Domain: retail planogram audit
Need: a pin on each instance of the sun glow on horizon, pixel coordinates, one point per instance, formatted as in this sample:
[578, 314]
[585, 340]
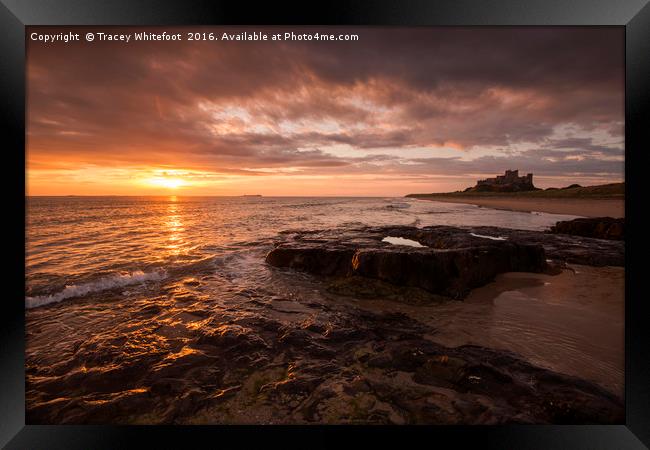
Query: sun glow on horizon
[96, 179]
[166, 178]
[170, 183]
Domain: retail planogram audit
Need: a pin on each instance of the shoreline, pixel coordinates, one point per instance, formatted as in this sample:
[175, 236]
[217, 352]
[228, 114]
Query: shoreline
[528, 343]
[576, 207]
[581, 297]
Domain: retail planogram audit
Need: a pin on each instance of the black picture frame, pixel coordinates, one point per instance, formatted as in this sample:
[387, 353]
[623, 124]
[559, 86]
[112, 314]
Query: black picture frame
[633, 15]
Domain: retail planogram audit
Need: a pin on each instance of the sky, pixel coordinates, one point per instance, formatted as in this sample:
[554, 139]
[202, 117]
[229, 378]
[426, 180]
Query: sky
[397, 111]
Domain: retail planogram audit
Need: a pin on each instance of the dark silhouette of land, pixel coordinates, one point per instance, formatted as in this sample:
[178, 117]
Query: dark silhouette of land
[606, 200]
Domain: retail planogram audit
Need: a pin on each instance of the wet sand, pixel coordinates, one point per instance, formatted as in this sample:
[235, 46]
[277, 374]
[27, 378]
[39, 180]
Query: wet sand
[572, 323]
[576, 207]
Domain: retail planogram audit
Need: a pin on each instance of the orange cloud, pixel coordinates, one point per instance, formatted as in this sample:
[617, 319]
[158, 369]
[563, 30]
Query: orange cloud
[321, 117]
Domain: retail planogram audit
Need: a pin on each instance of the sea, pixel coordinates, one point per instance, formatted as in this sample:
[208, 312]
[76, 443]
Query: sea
[81, 246]
[103, 274]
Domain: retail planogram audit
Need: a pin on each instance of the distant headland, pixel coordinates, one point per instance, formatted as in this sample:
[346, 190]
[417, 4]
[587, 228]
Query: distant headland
[518, 193]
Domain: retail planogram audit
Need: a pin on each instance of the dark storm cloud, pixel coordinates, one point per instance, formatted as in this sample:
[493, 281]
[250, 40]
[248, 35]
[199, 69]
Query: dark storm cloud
[227, 106]
[584, 146]
[546, 165]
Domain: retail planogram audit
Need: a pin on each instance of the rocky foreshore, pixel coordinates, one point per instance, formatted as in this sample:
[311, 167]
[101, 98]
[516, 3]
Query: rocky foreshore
[348, 366]
[385, 369]
[300, 350]
[441, 260]
[593, 227]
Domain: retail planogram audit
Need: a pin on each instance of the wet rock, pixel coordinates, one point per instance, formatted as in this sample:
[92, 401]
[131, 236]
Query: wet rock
[451, 264]
[480, 377]
[313, 258]
[560, 248]
[163, 387]
[341, 335]
[335, 363]
[366, 288]
[454, 261]
[233, 338]
[351, 367]
[593, 227]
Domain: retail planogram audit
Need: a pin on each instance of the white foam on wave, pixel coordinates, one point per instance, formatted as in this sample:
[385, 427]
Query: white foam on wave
[402, 241]
[494, 238]
[110, 282]
[398, 206]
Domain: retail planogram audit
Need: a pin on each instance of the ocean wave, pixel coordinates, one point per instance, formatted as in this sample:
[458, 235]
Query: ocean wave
[310, 205]
[398, 206]
[102, 284]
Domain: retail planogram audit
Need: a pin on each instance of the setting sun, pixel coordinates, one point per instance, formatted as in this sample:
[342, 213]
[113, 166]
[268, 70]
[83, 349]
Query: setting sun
[169, 179]
[171, 183]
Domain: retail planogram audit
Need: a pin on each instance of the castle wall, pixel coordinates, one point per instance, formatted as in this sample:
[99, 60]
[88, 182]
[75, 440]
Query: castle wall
[509, 181]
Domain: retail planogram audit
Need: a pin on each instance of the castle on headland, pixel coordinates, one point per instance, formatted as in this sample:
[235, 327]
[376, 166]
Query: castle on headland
[509, 182]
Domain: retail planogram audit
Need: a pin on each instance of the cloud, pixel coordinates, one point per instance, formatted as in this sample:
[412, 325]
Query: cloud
[499, 96]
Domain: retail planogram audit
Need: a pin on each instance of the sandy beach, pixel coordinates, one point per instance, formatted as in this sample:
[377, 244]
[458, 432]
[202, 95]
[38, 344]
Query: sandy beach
[577, 207]
[585, 306]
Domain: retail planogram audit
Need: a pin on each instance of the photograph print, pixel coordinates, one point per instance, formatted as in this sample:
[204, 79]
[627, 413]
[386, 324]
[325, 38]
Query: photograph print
[325, 225]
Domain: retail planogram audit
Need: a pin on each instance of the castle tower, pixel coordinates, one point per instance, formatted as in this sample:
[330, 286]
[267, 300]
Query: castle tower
[510, 181]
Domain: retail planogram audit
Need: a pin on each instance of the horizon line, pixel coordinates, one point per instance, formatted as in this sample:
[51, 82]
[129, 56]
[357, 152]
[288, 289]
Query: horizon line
[229, 196]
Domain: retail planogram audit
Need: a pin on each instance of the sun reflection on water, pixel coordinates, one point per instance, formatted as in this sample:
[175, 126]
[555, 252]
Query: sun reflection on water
[174, 225]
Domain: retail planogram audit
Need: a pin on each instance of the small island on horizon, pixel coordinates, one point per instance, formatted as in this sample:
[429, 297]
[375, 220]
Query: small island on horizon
[515, 193]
